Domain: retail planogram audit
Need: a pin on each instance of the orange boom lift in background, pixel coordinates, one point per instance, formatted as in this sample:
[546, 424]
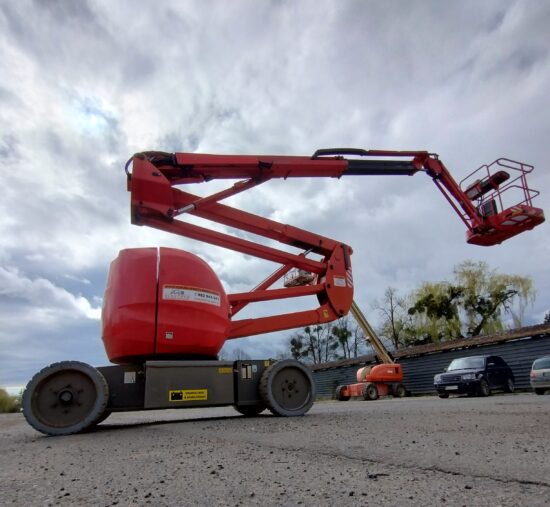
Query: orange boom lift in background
[166, 315]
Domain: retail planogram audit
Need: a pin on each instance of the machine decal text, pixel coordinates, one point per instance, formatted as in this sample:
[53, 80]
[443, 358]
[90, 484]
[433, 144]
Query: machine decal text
[194, 294]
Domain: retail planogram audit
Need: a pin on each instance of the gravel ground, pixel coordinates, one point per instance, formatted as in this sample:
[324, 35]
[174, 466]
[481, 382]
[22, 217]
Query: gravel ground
[414, 451]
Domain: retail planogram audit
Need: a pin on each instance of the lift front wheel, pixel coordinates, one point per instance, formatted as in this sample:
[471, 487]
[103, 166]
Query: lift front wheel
[64, 398]
[399, 391]
[287, 388]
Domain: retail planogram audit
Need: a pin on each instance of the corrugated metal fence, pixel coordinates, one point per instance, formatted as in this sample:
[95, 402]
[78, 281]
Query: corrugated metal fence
[519, 351]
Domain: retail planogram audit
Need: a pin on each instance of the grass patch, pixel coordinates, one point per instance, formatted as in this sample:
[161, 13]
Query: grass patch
[9, 404]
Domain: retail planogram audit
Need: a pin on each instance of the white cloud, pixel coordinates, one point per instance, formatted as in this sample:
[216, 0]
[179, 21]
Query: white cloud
[84, 281]
[468, 80]
[40, 302]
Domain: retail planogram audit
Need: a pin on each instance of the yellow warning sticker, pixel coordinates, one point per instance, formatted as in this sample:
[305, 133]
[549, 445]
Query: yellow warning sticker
[188, 395]
[225, 370]
[266, 363]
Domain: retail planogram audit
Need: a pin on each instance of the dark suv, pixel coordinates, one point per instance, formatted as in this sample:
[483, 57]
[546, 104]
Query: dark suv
[475, 375]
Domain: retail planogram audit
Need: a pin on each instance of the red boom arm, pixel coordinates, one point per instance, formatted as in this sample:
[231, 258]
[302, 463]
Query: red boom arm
[156, 203]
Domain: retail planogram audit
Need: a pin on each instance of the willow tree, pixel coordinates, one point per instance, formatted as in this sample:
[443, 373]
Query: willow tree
[435, 312]
[488, 296]
[478, 301]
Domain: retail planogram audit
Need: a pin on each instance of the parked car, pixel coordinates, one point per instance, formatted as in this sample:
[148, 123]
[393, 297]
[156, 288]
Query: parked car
[540, 374]
[478, 375]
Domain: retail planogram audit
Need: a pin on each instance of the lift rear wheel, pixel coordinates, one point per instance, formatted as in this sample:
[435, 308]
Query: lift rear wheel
[64, 398]
[339, 394]
[287, 388]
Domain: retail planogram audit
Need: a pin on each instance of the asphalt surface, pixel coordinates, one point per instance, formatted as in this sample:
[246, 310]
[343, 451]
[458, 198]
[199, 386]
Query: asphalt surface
[414, 451]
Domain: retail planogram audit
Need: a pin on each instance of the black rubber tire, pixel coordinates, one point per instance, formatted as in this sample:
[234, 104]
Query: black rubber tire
[338, 394]
[370, 392]
[250, 410]
[399, 391]
[84, 405]
[509, 387]
[540, 390]
[104, 416]
[287, 388]
[443, 396]
[484, 389]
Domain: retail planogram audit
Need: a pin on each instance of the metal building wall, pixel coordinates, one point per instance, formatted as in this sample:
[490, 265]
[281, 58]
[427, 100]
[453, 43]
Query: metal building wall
[419, 371]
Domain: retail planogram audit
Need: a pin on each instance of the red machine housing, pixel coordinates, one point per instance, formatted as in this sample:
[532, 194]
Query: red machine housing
[163, 303]
[380, 373]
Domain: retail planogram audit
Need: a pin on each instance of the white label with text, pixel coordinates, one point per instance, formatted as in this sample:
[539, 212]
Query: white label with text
[194, 294]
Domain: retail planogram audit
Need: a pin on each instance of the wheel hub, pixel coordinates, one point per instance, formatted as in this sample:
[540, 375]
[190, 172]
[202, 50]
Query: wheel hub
[289, 387]
[291, 393]
[65, 397]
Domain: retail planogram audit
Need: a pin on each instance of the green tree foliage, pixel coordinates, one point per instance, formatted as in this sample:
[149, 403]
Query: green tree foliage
[475, 302]
[435, 312]
[488, 296]
[546, 318]
[8, 403]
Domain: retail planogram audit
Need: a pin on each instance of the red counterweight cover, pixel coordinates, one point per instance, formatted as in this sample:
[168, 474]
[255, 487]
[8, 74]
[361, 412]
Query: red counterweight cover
[163, 303]
[129, 305]
[193, 310]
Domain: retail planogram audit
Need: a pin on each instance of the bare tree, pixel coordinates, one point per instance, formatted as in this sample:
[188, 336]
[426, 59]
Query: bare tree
[341, 339]
[395, 323]
[236, 354]
[349, 338]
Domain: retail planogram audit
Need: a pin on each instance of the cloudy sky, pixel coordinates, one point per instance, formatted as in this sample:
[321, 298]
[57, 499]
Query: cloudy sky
[84, 85]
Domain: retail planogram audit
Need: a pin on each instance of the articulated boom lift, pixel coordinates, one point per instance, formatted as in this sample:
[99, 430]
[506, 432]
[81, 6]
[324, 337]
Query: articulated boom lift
[378, 380]
[166, 315]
